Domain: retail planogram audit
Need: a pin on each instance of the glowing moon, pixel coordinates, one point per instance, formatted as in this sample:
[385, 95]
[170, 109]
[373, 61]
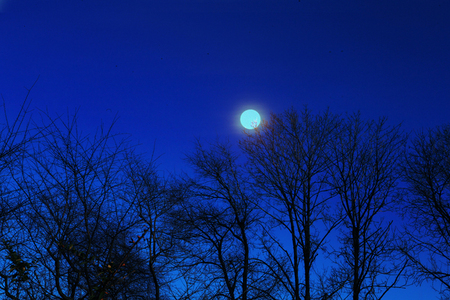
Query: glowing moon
[250, 119]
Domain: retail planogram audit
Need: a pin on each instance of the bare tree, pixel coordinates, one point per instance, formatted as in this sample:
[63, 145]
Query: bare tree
[363, 174]
[15, 137]
[426, 207]
[288, 163]
[220, 222]
[155, 201]
[75, 225]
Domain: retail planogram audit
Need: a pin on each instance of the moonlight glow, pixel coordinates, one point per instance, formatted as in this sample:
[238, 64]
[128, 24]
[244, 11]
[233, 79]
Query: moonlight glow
[250, 119]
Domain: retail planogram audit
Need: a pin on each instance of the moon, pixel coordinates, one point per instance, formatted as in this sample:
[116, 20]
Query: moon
[250, 119]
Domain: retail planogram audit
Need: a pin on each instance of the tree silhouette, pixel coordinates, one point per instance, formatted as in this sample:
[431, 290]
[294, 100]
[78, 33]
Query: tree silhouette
[221, 220]
[154, 203]
[15, 139]
[425, 205]
[363, 175]
[74, 223]
[288, 164]
[85, 217]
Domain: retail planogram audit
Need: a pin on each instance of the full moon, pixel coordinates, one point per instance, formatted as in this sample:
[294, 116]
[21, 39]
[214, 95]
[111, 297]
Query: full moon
[250, 119]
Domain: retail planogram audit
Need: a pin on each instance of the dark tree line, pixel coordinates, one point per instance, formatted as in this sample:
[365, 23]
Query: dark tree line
[301, 208]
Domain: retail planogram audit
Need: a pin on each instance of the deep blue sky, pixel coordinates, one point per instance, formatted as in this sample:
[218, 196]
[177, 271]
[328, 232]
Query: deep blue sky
[178, 69]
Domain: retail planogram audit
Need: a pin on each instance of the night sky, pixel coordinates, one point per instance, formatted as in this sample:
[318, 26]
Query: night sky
[175, 70]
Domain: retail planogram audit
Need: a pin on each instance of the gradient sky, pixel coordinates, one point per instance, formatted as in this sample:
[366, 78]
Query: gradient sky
[174, 70]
